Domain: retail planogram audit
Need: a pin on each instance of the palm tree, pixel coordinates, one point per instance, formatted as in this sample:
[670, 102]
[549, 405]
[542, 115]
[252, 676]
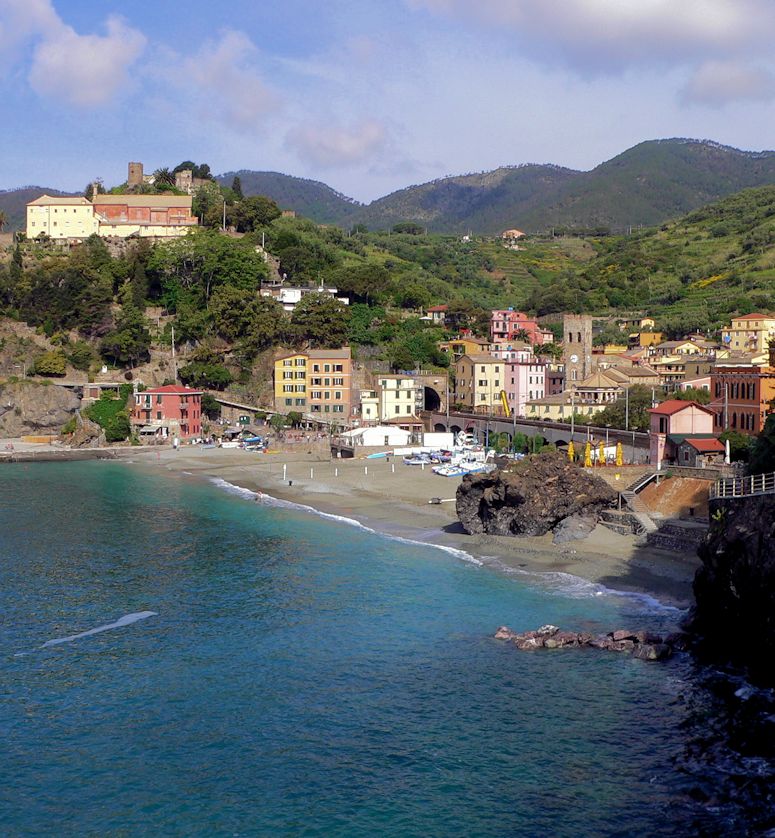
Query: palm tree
[3, 220]
[163, 177]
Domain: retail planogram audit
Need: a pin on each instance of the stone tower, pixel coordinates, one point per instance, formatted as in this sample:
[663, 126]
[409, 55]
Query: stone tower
[577, 341]
[135, 176]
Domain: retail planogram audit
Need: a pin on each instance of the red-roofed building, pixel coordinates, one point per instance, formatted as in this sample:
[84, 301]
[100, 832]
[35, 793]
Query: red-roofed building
[672, 422]
[698, 452]
[508, 326]
[168, 411]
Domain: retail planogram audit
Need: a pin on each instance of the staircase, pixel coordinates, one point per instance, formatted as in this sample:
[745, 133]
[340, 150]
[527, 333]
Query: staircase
[639, 510]
[679, 536]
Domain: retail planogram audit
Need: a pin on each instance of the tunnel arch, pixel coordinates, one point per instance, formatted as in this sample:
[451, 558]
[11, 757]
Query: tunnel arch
[431, 399]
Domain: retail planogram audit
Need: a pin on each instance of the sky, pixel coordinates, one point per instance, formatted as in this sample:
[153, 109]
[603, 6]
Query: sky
[374, 95]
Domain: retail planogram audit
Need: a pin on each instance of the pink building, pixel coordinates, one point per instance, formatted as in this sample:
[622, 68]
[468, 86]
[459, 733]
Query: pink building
[525, 381]
[168, 411]
[675, 422]
[507, 324]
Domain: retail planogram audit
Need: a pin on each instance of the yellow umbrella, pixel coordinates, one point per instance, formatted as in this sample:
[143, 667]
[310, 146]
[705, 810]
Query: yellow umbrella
[571, 451]
[588, 455]
[619, 457]
[601, 454]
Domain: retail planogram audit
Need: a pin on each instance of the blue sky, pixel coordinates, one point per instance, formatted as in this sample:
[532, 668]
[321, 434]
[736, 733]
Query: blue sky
[372, 96]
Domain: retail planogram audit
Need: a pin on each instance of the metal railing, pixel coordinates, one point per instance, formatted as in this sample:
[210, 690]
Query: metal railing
[741, 487]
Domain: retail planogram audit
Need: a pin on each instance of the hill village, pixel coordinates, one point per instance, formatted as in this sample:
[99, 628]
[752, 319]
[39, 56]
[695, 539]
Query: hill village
[534, 373]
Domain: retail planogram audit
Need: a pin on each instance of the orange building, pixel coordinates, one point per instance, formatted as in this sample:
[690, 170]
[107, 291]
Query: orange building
[742, 396]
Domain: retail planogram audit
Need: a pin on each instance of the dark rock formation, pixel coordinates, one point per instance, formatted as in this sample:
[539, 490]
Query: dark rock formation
[734, 589]
[532, 497]
[640, 644]
[29, 407]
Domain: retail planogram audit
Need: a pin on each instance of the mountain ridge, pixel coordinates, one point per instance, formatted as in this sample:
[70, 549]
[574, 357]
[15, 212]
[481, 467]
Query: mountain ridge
[648, 184]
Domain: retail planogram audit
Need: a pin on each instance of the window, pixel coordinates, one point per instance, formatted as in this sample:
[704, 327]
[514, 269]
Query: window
[301, 388]
[338, 408]
[158, 398]
[408, 409]
[287, 375]
[287, 362]
[158, 414]
[315, 408]
[337, 394]
[301, 362]
[396, 409]
[287, 388]
[327, 382]
[316, 394]
[338, 368]
[327, 368]
[300, 402]
[327, 395]
[338, 382]
[317, 382]
[301, 375]
[316, 368]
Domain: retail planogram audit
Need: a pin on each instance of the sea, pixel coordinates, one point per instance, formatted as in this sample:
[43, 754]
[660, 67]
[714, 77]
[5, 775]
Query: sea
[181, 658]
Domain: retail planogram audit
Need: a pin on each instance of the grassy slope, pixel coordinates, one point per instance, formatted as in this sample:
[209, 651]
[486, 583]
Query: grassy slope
[14, 204]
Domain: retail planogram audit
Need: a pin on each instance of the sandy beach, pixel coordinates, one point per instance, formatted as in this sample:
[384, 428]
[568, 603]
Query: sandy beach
[393, 498]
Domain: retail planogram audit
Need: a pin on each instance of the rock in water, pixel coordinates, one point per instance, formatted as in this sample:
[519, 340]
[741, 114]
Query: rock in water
[533, 497]
[734, 589]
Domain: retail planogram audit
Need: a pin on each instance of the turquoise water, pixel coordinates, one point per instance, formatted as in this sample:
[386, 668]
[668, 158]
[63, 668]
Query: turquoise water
[302, 677]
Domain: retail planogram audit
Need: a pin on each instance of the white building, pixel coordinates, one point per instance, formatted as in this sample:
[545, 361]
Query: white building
[61, 217]
[290, 297]
[379, 436]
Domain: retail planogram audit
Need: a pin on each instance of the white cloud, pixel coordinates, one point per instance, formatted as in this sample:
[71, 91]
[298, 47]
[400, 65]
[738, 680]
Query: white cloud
[717, 83]
[85, 70]
[81, 70]
[331, 146]
[225, 80]
[612, 35]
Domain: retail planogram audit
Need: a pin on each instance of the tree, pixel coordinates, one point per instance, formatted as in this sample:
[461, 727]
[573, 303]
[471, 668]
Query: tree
[639, 400]
[210, 407]
[693, 394]
[251, 213]
[411, 228]
[50, 363]
[762, 457]
[365, 282]
[321, 320]
[239, 314]
[163, 177]
[236, 187]
[3, 220]
[740, 445]
[130, 341]
[202, 374]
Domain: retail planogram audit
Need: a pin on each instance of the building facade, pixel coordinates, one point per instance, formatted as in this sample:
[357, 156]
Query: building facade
[316, 383]
[749, 333]
[168, 411]
[61, 218]
[577, 347]
[742, 396]
[672, 423]
[479, 380]
[510, 326]
[525, 380]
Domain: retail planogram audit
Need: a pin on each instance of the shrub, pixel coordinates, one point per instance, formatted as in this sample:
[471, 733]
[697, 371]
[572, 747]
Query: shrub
[50, 363]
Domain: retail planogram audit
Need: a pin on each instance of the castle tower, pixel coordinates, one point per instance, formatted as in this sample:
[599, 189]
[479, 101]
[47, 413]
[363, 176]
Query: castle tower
[135, 176]
[577, 340]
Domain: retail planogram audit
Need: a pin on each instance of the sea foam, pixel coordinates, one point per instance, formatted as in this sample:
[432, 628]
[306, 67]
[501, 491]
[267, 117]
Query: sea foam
[126, 620]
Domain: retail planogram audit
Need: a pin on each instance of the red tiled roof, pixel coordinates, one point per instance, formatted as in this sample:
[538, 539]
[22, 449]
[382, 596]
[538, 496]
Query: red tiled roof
[672, 406]
[754, 317]
[172, 388]
[707, 446]
[438, 308]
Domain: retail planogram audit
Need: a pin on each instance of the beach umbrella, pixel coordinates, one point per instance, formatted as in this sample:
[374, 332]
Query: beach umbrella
[571, 451]
[619, 457]
[601, 454]
[588, 455]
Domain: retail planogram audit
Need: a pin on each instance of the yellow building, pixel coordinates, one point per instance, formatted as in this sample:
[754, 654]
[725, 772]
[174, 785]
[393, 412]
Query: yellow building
[61, 217]
[457, 347]
[399, 396]
[316, 383]
[749, 333]
[479, 380]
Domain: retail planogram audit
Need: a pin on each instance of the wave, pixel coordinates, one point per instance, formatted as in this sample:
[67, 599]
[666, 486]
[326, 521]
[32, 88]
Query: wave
[556, 582]
[126, 620]
[279, 503]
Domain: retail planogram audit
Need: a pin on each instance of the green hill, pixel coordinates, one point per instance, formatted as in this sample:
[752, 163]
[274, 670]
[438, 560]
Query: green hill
[309, 198]
[648, 184]
[13, 202]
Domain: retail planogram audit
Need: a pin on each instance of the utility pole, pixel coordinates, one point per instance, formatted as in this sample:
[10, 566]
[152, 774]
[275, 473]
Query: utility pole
[726, 405]
[174, 362]
[627, 408]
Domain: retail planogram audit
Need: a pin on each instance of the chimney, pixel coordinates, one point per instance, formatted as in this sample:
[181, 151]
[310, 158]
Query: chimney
[94, 192]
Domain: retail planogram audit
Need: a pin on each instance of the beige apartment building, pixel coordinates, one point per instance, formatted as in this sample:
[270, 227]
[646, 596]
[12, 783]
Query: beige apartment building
[316, 383]
[749, 333]
[61, 218]
[479, 380]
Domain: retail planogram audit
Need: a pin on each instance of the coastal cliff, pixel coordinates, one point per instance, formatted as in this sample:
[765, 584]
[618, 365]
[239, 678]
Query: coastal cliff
[734, 615]
[29, 407]
[537, 495]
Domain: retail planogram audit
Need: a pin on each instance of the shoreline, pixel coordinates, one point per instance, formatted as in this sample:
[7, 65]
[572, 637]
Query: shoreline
[392, 499]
